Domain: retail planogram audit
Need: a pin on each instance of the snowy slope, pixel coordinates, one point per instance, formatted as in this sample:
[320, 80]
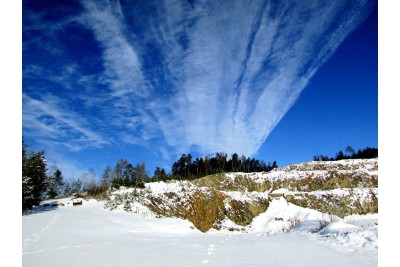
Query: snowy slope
[360, 171]
[339, 188]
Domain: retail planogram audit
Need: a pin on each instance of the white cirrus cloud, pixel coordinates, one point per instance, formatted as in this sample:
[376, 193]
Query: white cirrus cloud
[235, 68]
[52, 121]
[203, 75]
[121, 62]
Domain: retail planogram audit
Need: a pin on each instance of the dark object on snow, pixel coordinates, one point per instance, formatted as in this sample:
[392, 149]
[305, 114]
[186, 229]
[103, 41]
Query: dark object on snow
[76, 202]
[277, 195]
[46, 205]
[141, 185]
[55, 205]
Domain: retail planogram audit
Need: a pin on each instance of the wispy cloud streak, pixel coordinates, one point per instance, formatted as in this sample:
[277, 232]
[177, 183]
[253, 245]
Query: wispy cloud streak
[52, 122]
[205, 76]
[242, 65]
[121, 62]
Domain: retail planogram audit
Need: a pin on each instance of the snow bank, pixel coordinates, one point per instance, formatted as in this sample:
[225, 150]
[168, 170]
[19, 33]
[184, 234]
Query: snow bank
[368, 220]
[282, 216]
[354, 232]
[338, 228]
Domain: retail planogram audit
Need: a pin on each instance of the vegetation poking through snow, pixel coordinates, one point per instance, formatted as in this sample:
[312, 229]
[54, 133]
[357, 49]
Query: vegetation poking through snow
[339, 188]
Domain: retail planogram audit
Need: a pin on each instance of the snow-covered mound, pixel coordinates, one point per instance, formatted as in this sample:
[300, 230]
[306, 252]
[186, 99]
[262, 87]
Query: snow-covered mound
[355, 231]
[282, 216]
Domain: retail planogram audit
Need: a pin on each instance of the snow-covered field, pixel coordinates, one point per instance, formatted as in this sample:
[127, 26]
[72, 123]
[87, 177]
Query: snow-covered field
[89, 235]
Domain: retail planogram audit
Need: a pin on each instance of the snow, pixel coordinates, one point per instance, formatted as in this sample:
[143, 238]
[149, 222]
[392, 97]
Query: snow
[244, 196]
[282, 216]
[339, 227]
[362, 220]
[362, 194]
[299, 171]
[283, 235]
[89, 235]
[281, 191]
[355, 231]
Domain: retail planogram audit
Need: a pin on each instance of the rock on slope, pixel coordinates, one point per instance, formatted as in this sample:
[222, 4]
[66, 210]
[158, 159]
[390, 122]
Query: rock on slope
[338, 187]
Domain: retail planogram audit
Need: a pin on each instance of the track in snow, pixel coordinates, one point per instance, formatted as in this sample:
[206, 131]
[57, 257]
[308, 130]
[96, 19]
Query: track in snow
[90, 236]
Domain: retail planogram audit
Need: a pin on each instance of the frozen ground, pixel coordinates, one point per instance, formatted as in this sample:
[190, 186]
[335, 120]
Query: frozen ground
[88, 235]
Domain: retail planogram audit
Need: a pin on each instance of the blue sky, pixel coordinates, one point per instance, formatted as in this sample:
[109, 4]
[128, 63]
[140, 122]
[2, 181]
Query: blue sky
[150, 80]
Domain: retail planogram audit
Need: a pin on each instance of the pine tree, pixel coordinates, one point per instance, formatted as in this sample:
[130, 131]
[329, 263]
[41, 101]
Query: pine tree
[340, 155]
[107, 178]
[128, 175]
[157, 174]
[350, 151]
[27, 193]
[206, 164]
[221, 160]
[188, 163]
[55, 183]
[243, 163]
[33, 178]
[274, 165]
[235, 162]
[182, 165]
[163, 175]
[118, 173]
[141, 174]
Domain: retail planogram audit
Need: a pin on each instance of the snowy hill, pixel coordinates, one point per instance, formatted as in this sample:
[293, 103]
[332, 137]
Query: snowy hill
[232, 201]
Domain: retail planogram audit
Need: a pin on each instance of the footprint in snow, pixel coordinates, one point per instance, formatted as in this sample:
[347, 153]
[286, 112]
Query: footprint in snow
[210, 249]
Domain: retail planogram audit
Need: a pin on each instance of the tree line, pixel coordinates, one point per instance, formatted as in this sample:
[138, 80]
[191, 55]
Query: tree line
[350, 153]
[188, 168]
[124, 174]
[40, 182]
